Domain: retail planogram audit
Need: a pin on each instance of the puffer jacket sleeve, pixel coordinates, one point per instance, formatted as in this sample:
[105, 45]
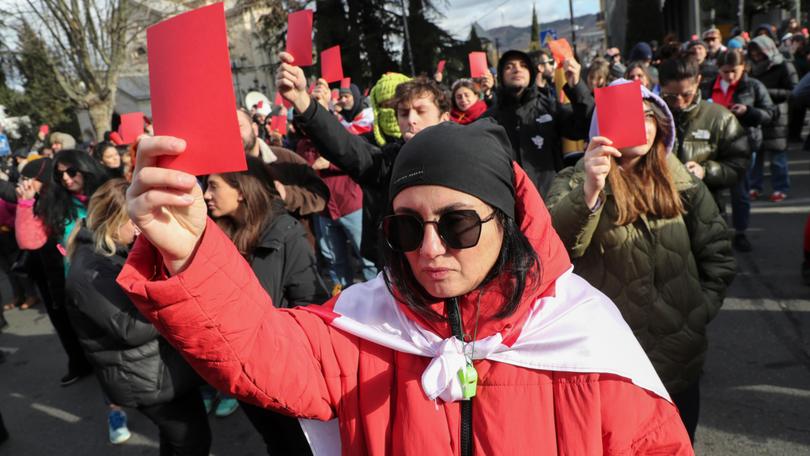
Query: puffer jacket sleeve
[733, 154]
[763, 110]
[29, 229]
[573, 220]
[787, 82]
[711, 246]
[216, 313]
[98, 297]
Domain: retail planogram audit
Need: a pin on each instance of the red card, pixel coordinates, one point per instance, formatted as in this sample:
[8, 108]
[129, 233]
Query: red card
[44, 129]
[345, 83]
[478, 64]
[299, 37]
[115, 138]
[131, 127]
[331, 65]
[279, 100]
[192, 91]
[279, 124]
[561, 50]
[440, 66]
[620, 114]
[694, 37]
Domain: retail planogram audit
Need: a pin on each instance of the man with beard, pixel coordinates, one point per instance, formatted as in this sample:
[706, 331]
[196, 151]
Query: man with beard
[303, 191]
[536, 123]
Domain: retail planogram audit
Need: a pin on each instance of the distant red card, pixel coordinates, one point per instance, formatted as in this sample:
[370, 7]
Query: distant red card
[440, 66]
[478, 64]
[192, 91]
[115, 138]
[365, 92]
[279, 100]
[279, 124]
[331, 64]
[345, 83]
[561, 50]
[44, 129]
[131, 126]
[620, 114]
[299, 37]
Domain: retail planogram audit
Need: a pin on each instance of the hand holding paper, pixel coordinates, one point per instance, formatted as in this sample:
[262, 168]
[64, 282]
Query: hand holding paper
[292, 84]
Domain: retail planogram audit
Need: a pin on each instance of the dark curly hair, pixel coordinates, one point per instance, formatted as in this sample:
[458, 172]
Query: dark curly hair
[517, 260]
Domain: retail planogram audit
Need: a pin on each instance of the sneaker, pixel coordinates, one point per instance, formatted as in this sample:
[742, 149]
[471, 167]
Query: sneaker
[753, 195]
[777, 197]
[741, 243]
[117, 426]
[226, 407]
[72, 377]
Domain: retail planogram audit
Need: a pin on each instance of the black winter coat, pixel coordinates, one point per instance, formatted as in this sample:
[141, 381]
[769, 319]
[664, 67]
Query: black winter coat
[367, 164]
[761, 110]
[134, 365]
[780, 80]
[536, 124]
[285, 264]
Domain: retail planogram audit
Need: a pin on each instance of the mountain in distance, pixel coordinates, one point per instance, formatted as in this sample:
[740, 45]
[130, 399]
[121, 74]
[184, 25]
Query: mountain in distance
[511, 37]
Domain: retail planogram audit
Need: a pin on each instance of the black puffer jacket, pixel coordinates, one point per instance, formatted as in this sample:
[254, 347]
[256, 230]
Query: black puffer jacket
[780, 77]
[134, 365]
[761, 110]
[285, 264]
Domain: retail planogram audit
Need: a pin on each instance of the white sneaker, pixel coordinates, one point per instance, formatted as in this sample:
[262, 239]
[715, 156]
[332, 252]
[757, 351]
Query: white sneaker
[117, 425]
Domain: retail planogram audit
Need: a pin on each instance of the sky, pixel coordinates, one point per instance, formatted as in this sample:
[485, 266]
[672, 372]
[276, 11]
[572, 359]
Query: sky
[460, 14]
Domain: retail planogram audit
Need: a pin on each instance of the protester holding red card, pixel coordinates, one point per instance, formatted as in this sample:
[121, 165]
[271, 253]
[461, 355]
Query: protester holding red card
[642, 229]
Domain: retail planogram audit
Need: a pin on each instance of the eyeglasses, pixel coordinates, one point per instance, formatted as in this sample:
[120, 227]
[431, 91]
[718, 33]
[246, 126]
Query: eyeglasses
[70, 172]
[674, 96]
[457, 229]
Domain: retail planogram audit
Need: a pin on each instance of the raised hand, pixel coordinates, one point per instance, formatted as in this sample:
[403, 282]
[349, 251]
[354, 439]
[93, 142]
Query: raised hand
[291, 83]
[166, 205]
[597, 161]
[572, 71]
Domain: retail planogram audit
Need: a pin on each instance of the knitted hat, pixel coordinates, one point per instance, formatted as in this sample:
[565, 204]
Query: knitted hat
[40, 169]
[385, 119]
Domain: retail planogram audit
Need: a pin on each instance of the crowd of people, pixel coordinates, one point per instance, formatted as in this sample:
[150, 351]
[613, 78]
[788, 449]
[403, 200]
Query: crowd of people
[419, 243]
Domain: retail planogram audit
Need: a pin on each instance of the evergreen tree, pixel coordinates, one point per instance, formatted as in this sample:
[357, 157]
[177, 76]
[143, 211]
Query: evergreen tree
[534, 38]
[427, 40]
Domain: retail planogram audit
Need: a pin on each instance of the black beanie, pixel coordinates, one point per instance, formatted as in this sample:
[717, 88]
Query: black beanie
[40, 169]
[473, 159]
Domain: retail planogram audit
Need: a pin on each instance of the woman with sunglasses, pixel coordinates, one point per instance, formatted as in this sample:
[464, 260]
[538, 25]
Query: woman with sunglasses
[476, 339]
[47, 220]
[249, 209]
[648, 234]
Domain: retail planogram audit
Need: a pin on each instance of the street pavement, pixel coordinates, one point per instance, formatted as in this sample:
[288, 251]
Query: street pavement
[755, 390]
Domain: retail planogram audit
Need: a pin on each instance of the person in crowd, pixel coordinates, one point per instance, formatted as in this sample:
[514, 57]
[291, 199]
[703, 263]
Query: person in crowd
[799, 51]
[107, 154]
[699, 51]
[536, 124]
[44, 219]
[748, 100]
[477, 301]
[714, 45]
[613, 55]
[60, 141]
[134, 365]
[646, 232]
[355, 115]
[711, 142]
[642, 52]
[488, 91]
[247, 207]
[637, 72]
[341, 223]
[598, 74]
[545, 73]
[467, 106]
[765, 30]
[769, 66]
[403, 108]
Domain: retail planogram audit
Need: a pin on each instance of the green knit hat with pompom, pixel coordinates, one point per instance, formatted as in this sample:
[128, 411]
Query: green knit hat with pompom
[385, 119]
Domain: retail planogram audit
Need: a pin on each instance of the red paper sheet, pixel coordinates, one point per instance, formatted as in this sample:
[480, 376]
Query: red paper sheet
[620, 114]
[192, 91]
[44, 129]
[345, 83]
[279, 124]
[440, 66]
[299, 37]
[279, 100]
[131, 126]
[478, 64]
[561, 50]
[331, 65]
[115, 138]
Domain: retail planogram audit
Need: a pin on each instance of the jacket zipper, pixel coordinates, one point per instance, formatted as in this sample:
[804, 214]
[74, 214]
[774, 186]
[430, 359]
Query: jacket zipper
[454, 318]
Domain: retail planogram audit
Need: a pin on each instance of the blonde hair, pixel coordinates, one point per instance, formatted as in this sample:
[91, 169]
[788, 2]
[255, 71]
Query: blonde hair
[106, 214]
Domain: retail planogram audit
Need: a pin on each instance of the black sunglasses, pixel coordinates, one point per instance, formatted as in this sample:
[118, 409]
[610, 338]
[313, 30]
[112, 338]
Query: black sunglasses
[458, 229]
[70, 172]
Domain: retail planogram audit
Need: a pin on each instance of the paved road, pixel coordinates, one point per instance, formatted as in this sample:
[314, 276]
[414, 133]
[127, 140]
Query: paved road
[756, 389]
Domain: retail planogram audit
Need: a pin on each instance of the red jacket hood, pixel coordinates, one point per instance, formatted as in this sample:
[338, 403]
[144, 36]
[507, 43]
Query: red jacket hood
[535, 223]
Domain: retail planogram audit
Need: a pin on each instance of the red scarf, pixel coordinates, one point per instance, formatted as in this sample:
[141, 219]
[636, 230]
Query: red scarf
[470, 115]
